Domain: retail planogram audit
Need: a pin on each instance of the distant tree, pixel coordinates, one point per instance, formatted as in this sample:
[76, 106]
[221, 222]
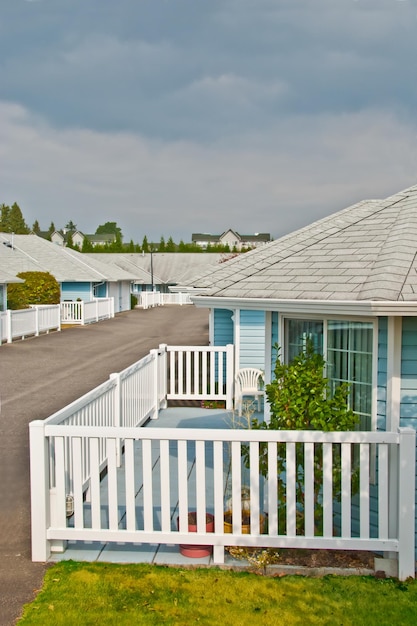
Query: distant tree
[87, 245]
[170, 245]
[17, 223]
[131, 246]
[182, 246]
[4, 218]
[36, 228]
[69, 242]
[162, 246]
[38, 288]
[70, 227]
[51, 229]
[109, 228]
[145, 244]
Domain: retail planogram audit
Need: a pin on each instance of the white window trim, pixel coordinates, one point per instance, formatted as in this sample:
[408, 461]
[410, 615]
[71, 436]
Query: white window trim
[325, 319]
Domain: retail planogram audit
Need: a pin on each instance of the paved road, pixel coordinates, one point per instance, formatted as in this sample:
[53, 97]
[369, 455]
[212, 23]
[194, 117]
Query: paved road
[41, 375]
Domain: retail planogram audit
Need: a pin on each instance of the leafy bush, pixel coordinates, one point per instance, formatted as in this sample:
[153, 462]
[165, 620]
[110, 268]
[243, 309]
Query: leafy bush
[300, 398]
[38, 288]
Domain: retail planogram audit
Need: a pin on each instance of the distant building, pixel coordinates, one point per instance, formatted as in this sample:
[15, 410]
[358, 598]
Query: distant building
[61, 238]
[232, 239]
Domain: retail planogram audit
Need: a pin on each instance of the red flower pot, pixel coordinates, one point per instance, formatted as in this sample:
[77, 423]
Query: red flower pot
[197, 551]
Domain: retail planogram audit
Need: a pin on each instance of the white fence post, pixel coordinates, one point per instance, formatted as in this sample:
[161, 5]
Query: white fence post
[155, 377]
[117, 414]
[406, 503]
[164, 373]
[229, 376]
[9, 326]
[82, 311]
[39, 489]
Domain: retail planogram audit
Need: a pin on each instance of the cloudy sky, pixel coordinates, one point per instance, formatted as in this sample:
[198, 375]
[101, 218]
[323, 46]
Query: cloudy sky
[179, 116]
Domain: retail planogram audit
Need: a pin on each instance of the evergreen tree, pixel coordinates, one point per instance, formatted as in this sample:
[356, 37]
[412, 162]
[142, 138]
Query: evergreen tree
[71, 227]
[182, 247]
[51, 230]
[161, 247]
[87, 245]
[36, 228]
[170, 245]
[69, 242]
[17, 223]
[145, 245]
[4, 218]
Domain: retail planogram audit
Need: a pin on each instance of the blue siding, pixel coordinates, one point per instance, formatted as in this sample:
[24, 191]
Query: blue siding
[223, 327]
[252, 339]
[408, 407]
[274, 340]
[73, 291]
[382, 374]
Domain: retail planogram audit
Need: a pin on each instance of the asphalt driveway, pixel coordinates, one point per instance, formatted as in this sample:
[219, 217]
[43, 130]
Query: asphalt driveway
[38, 376]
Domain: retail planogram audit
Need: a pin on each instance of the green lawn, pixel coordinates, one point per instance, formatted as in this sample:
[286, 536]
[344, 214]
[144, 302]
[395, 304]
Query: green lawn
[107, 594]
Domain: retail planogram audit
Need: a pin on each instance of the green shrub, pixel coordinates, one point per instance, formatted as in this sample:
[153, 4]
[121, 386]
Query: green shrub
[300, 398]
[38, 288]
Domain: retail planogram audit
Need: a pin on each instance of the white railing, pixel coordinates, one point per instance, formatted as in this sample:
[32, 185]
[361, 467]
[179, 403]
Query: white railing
[204, 373]
[80, 312]
[149, 299]
[29, 322]
[168, 472]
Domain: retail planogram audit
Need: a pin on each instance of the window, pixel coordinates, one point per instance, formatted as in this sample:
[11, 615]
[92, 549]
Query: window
[347, 347]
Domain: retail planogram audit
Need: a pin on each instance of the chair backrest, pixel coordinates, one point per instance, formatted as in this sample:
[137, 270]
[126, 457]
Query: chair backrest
[248, 379]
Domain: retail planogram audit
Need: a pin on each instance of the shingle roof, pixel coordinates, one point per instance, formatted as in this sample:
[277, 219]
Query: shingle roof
[169, 268]
[365, 252]
[32, 253]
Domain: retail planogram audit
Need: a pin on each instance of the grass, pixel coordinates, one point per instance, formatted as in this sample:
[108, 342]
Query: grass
[108, 594]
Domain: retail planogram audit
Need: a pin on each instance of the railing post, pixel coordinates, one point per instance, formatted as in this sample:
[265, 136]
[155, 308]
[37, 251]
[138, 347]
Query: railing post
[155, 377]
[111, 307]
[229, 376]
[82, 313]
[36, 321]
[97, 311]
[406, 503]
[9, 326]
[39, 490]
[163, 349]
[117, 421]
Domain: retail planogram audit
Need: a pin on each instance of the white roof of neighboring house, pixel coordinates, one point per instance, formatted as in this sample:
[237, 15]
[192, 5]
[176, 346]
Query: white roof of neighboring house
[367, 252]
[23, 253]
[169, 268]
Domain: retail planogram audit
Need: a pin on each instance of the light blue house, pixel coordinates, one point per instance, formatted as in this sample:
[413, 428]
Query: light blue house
[80, 278]
[349, 283]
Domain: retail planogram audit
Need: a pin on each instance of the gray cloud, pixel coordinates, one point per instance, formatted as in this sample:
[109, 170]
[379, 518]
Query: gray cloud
[179, 116]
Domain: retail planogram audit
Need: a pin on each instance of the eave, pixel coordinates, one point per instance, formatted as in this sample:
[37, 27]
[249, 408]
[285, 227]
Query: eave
[360, 308]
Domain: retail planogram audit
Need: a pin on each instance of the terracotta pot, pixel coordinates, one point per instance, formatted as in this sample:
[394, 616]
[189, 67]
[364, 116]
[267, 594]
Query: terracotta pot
[197, 551]
[228, 525]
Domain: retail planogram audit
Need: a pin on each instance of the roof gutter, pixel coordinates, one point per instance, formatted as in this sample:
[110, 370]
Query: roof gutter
[323, 307]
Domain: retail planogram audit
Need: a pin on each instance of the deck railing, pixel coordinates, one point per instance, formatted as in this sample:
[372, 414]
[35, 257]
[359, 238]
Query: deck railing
[80, 312]
[149, 299]
[165, 473]
[29, 322]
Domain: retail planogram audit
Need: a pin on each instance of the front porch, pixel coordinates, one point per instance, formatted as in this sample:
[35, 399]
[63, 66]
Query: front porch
[112, 473]
[156, 553]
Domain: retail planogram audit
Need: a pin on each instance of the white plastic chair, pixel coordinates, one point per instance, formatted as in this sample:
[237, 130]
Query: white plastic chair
[247, 383]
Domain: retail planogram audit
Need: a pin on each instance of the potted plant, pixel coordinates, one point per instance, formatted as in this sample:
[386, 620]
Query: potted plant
[245, 514]
[196, 551]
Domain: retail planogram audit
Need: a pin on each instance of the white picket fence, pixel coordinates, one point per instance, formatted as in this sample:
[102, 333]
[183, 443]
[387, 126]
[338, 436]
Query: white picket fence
[80, 312]
[152, 477]
[149, 299]
[29, 322]
[153, 487]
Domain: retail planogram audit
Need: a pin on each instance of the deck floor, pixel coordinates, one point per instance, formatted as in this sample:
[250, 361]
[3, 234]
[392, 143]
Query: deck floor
[162, 554]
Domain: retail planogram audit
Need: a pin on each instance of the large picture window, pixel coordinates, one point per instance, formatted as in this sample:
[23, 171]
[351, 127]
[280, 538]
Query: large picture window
[347, 348]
